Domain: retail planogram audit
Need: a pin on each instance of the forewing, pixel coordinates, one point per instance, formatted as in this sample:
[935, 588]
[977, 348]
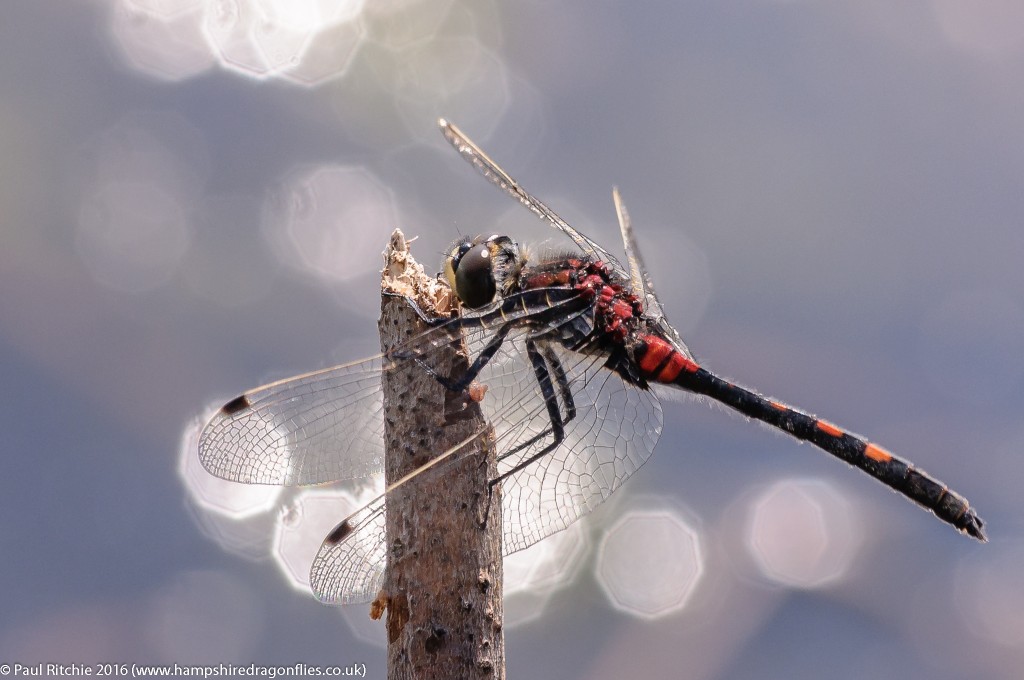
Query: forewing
[321, 427]
[349, 565]
[492, 171]
[639, 277]
[614, 432]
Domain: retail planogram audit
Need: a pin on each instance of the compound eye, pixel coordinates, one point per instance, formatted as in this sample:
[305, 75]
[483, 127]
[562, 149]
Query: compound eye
[451, 263]
[474, 277]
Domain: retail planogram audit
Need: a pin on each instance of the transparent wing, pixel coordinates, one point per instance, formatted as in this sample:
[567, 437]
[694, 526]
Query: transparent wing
[614, 431]
[319, 427]
[639, 278]
[325, 426]
[492, 171]
[349, 568]
[641, 282]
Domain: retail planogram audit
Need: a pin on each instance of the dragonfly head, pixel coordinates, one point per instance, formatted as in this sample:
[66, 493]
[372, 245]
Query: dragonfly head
[479, 268]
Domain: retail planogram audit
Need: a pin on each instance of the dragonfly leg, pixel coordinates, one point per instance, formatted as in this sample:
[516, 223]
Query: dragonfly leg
[541, 360]
[485, 355]
[561, 380]
[424, 317]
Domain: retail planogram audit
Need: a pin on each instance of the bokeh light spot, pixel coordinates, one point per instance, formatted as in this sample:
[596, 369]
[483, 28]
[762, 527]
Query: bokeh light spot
[229, 27]
[305, 41]
[330, 221]
[990, 594]
[302, 527]
[533, 575]
[801, 533]
[161, 39]
[131, 235]
[327, 54]
[650, 562]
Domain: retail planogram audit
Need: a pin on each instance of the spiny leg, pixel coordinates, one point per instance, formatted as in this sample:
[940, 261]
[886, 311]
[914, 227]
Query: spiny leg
[557, 429]
[485, 355]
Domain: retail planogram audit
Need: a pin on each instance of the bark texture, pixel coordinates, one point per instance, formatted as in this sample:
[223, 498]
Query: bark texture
[443, 590]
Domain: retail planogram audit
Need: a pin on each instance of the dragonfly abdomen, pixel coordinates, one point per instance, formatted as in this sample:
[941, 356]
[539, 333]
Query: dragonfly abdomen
[661, 362]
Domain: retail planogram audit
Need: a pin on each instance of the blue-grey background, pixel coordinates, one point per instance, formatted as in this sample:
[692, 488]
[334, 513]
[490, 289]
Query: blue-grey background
[829, 198]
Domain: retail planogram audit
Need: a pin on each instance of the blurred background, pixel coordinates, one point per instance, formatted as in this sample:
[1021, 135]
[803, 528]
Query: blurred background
[194, 196]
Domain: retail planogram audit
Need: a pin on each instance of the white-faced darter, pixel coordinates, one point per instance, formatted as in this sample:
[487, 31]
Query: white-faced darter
[569, 349]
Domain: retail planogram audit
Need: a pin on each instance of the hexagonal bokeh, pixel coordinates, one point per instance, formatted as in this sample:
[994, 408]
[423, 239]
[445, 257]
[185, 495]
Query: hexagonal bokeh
[650, 562]
[235, 516]
[533, 575]
[305, 41]
[309, 41]
[229, 27]
[801, 533]
[161, 38]
[302, 527]
[329, 220]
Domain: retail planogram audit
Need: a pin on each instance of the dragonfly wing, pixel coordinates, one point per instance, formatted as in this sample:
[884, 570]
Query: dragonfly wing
[349, 567]
[615, 429]
[640, 278]
[319, 427]
[613, 433]
[493, 172]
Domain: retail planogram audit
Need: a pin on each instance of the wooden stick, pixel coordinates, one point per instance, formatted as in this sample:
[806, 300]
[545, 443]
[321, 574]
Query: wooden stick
[443, 590]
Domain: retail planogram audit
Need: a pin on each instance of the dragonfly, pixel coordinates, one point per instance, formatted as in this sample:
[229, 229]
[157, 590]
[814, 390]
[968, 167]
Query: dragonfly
[571, 349]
